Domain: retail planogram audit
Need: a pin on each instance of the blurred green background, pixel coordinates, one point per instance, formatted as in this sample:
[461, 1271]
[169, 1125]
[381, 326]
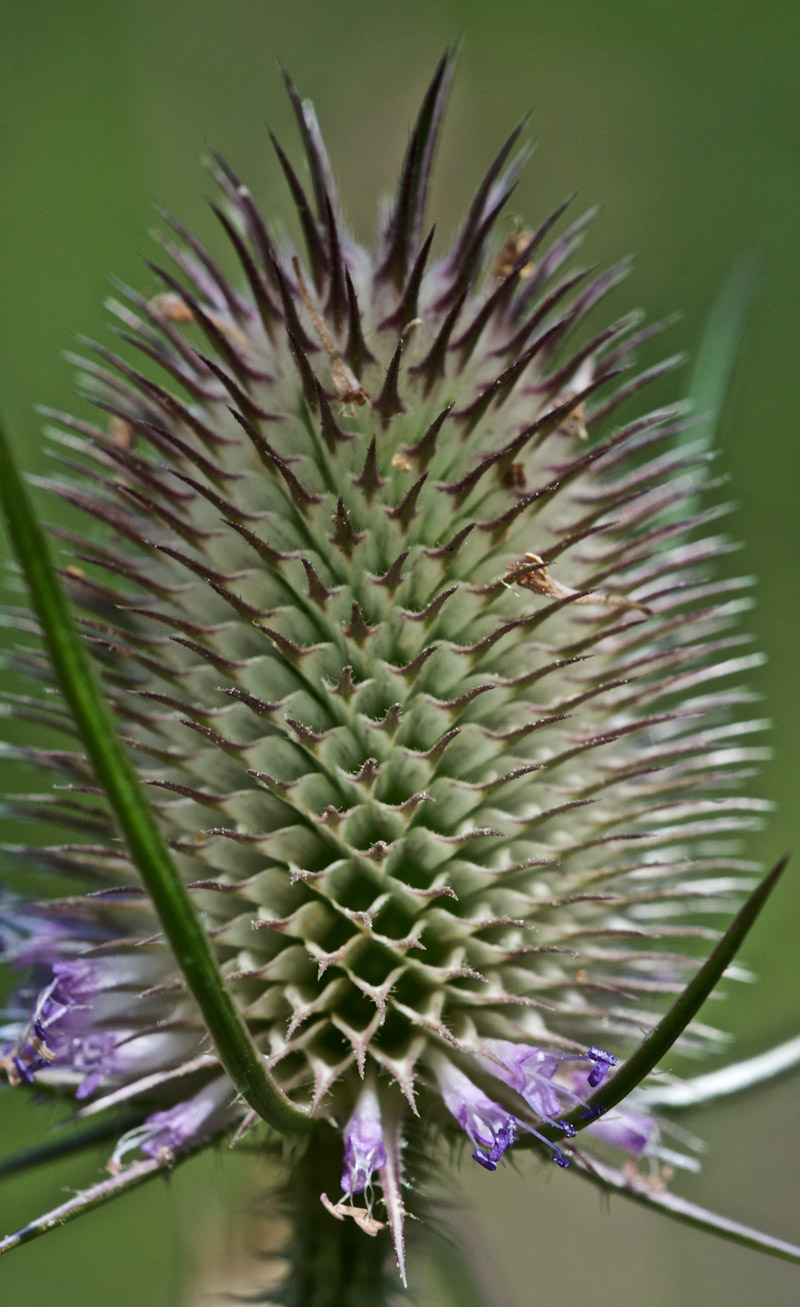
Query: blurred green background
[682, 120]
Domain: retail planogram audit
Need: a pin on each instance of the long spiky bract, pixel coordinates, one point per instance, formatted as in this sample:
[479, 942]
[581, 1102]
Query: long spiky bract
[414, 651]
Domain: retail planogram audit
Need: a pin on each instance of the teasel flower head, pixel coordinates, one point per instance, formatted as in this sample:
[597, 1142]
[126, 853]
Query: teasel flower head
[416, 647]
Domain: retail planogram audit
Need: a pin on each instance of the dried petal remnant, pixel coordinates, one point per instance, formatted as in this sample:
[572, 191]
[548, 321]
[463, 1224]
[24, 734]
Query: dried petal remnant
[532, 573]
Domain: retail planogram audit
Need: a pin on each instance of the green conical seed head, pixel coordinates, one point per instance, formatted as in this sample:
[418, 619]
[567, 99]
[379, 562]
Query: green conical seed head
[416, 648]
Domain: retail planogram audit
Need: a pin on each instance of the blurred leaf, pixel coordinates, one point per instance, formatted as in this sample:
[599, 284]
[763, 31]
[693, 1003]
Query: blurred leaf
[751, 1073]
[721, 342]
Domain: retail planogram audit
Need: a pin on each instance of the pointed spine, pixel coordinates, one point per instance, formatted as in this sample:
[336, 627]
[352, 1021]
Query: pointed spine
[267, 309]
[356, 352]
[406, 310]
[432, 367]
[369, 480]
[425, 448]
[389, 404]
[491, 196]
[318, 163]
[317, 254]
[402, 236]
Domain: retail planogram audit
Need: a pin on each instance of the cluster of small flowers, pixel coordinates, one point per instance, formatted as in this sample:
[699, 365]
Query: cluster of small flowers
[489, 1126]
[76, 1034]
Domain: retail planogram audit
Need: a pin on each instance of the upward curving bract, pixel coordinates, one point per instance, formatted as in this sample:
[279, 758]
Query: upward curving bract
[418, 653]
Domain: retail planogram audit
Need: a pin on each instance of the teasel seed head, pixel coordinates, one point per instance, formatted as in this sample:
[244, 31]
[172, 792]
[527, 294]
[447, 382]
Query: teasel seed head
[417, 652]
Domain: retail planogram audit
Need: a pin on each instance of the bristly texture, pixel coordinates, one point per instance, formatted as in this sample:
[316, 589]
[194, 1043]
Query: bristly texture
[417, 651]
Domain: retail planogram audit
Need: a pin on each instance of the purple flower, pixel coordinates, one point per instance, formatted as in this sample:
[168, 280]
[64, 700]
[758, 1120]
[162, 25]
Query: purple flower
[488, 1124]
[530, 1071]
[83, 1024]
[633, 1132]
[166, 1133]
[527, 1070]
[364, 1150]
[503, 1140]
[95, 1023]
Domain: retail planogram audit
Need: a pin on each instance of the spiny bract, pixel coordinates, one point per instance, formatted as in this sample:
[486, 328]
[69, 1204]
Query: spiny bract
[417, 654]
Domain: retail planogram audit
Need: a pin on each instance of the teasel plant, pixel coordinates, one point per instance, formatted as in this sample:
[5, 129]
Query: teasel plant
[396, 770]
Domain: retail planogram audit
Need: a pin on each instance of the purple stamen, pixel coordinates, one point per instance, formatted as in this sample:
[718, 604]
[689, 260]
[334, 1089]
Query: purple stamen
[503, 1139]
[484, 1160]
[558, 1156]
[164, 1134]
[593, 1112]
[603, 1063]
[25, 1070]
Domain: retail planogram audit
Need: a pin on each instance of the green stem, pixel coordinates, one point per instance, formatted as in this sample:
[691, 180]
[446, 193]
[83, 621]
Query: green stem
[146, 845]
[685, 1007]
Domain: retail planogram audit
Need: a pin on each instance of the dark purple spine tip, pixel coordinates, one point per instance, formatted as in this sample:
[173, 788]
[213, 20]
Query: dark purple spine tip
[560, 1159]
[569, 1130]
